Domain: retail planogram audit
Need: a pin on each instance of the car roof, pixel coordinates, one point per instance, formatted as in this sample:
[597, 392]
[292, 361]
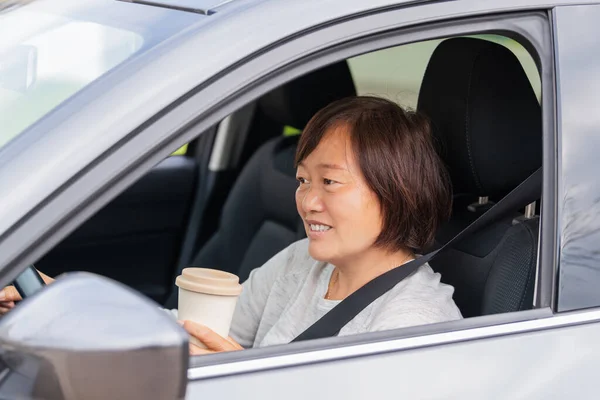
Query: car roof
[88, 126]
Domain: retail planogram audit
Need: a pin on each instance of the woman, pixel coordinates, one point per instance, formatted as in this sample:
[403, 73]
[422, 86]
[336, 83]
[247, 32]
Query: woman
[372, 192]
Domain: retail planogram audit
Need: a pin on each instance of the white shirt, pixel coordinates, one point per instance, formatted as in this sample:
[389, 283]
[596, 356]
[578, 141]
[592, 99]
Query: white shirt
[286, 295]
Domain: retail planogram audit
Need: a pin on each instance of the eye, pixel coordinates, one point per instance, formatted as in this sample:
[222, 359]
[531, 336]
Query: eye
[300, 180]
[328, 181]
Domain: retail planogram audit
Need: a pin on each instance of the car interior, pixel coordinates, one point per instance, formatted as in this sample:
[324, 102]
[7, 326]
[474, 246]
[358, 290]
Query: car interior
[228, 201]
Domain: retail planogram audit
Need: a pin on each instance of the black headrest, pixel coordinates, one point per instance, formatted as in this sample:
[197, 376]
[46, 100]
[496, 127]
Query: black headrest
[485, 115]
[294, 103]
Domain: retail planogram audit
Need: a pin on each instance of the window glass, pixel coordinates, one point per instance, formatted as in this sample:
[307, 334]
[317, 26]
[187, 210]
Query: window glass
[50, 49]
[59, 59]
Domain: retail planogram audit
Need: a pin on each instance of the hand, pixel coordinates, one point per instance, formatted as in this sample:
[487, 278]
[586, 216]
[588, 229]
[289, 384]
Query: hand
[213, 341]
[9, 295]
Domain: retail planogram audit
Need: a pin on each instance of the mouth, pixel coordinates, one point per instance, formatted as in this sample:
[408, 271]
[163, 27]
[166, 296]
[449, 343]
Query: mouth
[318, 227]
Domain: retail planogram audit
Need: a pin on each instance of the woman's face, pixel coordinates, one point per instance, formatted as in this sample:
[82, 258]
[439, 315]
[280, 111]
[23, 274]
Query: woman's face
[341, 214]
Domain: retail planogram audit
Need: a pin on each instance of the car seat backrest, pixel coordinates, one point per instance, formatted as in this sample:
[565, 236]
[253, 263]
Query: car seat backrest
[296, 102]
[485, 115]
[259, 217]
[486, 122]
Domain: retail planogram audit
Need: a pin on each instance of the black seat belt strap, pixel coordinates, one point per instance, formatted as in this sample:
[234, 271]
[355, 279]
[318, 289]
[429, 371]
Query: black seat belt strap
[332, 322]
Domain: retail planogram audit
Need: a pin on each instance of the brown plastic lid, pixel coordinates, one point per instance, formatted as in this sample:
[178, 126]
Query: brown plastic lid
[209, 281]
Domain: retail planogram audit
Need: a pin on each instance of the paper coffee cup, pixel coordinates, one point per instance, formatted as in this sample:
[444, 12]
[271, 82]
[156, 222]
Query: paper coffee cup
[208, 297]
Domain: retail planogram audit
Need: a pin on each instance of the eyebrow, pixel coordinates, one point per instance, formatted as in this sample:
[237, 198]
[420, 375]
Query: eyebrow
[327, 166]
[331, 166]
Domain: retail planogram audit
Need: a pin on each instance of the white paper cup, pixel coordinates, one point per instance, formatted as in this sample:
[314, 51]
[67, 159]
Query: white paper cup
[208, 297]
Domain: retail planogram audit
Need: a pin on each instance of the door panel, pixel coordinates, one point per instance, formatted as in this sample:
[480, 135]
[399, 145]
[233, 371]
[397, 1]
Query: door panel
[136, 238]
[578, 72]
[555, 363]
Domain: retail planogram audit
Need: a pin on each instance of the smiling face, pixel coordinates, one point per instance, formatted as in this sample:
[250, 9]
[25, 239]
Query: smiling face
[341, 214]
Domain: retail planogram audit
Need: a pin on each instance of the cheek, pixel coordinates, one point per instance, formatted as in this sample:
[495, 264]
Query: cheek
[299, 197]
[358, 209]
[372, 213]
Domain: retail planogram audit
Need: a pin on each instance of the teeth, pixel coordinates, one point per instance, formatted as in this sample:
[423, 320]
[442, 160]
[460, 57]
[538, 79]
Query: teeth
[319, 228]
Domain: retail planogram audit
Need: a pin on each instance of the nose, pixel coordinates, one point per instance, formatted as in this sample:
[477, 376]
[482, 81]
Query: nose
[311, 201]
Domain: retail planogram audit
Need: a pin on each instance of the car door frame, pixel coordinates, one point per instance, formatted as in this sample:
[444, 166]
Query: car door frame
[332, 351]
[205, 367]
[199, 111]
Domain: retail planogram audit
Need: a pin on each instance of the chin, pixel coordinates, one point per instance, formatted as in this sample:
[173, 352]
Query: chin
[320, 251]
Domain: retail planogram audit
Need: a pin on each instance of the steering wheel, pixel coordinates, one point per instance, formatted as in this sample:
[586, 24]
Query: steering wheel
[28, 282]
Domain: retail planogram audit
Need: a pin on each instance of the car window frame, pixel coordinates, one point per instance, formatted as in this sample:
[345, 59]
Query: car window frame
[212, 366]
[293, 59]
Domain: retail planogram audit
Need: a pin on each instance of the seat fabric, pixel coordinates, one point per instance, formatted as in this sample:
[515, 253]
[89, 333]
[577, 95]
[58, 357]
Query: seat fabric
[486, 122]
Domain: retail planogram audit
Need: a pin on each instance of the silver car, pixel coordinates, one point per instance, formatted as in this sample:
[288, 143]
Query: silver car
[138, 137]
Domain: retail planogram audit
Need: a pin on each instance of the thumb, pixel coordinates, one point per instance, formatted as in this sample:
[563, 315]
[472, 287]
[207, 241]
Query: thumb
[9, 293]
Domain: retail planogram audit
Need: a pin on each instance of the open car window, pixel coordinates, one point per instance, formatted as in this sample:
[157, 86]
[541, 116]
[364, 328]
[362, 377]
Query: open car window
[397, 72]
[370, 73]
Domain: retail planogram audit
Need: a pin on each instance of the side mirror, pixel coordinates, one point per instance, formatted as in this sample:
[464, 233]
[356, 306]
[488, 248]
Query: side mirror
[85, 336]
[18, 68]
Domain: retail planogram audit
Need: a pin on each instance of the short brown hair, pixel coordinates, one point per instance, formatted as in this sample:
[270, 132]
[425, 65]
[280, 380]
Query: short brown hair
[395, 151]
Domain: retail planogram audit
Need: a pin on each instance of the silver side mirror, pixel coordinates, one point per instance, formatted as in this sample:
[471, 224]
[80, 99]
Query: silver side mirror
[85, 336]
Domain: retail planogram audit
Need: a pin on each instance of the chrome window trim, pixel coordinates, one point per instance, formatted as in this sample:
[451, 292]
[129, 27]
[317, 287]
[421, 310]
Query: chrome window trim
[369, 349]
[221, 4]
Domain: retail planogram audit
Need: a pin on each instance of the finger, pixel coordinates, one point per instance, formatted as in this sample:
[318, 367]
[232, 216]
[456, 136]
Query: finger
[197, 351]
[9, 293]
[4, 310]
[7, 304]
[235, 344]
[47, 280]
[208, 337]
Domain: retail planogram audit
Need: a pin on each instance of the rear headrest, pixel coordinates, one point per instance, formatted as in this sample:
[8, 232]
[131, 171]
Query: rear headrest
[485, 116]
[294, 103]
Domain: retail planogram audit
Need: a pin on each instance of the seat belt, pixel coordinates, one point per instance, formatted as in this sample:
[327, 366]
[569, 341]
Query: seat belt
[333, 321]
